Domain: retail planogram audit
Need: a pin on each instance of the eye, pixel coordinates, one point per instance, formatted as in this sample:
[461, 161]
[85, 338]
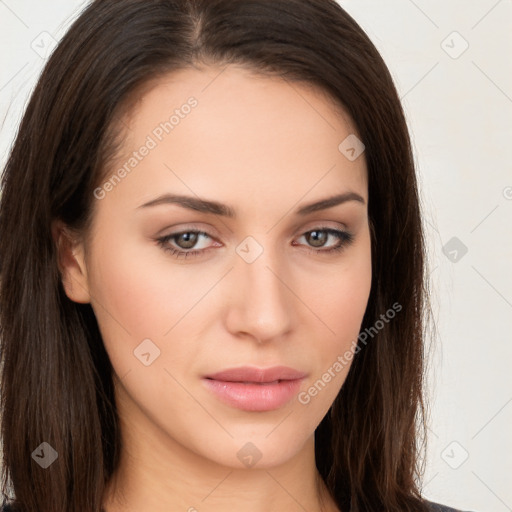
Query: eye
[186, 240]
[318, 237]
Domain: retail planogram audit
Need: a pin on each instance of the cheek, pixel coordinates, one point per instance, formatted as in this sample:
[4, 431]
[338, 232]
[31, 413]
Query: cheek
[340, 303]
[140, 292]
[342, 307]
[141, 289]
[341, 294]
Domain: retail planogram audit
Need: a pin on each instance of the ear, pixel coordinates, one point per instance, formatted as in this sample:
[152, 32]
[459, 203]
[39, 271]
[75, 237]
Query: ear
[71, 261]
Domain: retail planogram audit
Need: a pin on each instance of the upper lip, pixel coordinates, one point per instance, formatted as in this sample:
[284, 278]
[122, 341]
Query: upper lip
[251, 374]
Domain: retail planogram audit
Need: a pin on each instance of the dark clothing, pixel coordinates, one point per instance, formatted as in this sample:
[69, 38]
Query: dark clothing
[435, 507]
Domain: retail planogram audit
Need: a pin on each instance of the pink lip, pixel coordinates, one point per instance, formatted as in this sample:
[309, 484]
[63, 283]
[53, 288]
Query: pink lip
[255, 389]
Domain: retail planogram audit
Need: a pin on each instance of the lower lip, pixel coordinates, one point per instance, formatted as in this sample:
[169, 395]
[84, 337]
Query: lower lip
[254, 397]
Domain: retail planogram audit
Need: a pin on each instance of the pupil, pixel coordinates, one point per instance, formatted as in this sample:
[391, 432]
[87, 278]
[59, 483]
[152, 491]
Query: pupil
[189, 239]
[318, 238]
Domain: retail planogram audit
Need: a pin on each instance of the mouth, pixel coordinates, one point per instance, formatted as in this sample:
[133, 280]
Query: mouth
[254, 389]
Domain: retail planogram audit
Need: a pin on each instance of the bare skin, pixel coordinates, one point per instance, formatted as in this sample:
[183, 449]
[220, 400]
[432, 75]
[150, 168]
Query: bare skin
[265, 147]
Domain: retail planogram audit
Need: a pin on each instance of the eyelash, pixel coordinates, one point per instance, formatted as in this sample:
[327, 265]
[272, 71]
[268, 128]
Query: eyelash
[344, 237]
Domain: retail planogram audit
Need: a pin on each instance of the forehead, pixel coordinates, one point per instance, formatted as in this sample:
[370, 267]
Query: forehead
[233, 133]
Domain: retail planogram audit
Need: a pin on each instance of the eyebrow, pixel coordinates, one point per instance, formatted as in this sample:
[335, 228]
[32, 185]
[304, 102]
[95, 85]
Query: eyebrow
[216, 208]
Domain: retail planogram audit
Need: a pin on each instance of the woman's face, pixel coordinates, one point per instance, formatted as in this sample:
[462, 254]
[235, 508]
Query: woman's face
[262, 288]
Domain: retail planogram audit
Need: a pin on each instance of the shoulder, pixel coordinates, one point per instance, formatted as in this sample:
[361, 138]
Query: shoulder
[437, 507]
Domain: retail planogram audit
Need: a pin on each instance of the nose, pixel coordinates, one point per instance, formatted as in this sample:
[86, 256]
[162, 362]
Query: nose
[261, 304]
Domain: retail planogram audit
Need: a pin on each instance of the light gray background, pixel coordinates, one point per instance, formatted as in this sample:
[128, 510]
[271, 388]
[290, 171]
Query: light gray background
[458, 103]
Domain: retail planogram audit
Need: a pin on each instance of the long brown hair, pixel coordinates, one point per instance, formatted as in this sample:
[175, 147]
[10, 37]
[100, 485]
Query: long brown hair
[56, 383]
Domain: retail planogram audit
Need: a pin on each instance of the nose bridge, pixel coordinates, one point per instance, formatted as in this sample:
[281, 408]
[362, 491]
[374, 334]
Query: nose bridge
[262, 306]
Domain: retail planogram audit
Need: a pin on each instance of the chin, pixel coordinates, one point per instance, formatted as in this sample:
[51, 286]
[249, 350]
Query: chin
[254, 448]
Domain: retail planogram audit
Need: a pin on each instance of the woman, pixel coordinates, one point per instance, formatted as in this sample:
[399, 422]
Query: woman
[212, 269]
